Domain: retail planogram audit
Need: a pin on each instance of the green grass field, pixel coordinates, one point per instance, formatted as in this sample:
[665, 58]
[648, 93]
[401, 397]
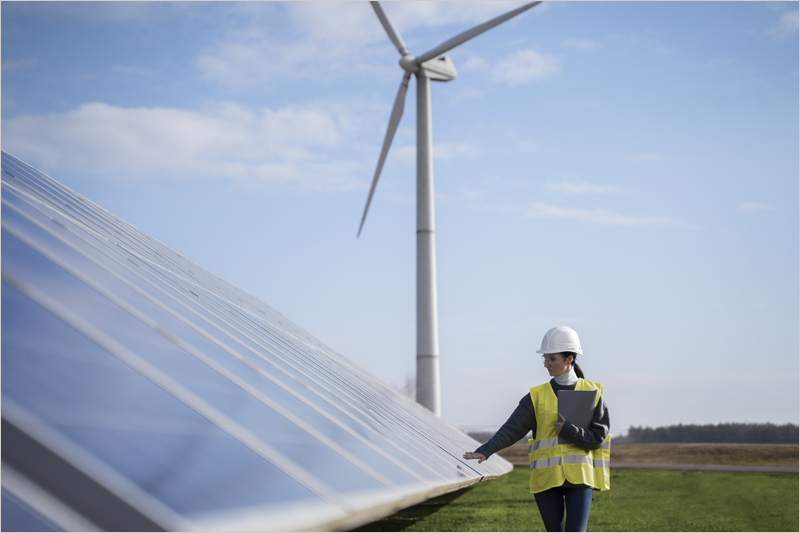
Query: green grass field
[639, 500]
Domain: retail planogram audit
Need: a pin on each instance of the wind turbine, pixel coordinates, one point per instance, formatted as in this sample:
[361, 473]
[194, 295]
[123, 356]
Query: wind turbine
[429, 66]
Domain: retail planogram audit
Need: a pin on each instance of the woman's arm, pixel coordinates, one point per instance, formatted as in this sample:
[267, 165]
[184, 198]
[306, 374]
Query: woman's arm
[521, 421]
[592, 437]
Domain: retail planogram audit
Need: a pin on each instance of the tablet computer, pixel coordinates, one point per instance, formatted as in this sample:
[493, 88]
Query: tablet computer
[577, 406]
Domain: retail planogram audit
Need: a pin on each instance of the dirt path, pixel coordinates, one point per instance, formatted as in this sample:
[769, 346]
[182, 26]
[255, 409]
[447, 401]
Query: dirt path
[774, 455]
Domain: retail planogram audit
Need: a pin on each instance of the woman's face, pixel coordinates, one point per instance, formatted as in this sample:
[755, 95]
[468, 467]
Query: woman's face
[555, 363]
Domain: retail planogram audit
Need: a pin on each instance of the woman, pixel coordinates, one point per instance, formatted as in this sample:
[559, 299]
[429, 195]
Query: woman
[562, 475]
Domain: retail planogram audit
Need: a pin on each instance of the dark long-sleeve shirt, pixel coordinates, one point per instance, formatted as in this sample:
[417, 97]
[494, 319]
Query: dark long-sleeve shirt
[523, 420]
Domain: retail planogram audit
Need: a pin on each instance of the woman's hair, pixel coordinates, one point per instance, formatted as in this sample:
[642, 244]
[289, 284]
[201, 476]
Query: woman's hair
[574, 355]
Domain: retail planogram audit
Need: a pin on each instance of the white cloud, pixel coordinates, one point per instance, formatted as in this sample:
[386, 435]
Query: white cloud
[293, 147]
[322, 40]
[525, 66]
[753, 207]
[790, 21]
[335, 22]
[409, 15]
[591, 216]
[580, 188]
[580, 44]
[787, 25]
[245, 64]
[328, 39]
[10, 65]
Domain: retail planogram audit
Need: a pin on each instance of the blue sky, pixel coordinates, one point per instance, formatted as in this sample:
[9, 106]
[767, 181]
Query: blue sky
[628, 169]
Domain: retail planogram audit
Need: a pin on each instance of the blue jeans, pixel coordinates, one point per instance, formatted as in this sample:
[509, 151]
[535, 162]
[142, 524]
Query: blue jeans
[551, 503]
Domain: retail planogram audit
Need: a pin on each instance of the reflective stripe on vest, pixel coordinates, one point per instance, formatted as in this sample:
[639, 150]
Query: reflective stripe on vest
[548, 443]
[544, 463]
[551, 463]
[544, 443]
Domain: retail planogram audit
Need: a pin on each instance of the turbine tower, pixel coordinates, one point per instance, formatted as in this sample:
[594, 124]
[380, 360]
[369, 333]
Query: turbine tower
[427, 67]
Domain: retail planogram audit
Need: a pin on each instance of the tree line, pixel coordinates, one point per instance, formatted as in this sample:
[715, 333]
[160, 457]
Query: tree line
[717, 433]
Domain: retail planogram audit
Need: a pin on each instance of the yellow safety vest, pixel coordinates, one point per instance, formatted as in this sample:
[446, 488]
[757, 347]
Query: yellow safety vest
[553, 463]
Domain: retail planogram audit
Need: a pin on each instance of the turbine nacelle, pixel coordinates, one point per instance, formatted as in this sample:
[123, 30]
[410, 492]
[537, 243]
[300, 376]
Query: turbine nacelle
[438, 69]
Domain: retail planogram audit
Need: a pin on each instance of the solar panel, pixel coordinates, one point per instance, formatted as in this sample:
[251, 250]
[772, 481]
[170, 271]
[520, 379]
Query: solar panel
[142, 392]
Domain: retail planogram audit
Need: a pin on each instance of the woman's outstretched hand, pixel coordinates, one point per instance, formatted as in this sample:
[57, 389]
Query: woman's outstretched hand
[472, 455]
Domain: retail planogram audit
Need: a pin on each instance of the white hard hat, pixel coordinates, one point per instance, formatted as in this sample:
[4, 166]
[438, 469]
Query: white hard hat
[561, 339]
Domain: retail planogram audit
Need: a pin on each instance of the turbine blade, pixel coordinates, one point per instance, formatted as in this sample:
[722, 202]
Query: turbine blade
[397, 113]
[394, 35]
[474, 32]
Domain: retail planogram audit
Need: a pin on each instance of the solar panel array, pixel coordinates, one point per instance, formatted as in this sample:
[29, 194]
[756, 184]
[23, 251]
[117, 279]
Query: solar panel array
[141, 391]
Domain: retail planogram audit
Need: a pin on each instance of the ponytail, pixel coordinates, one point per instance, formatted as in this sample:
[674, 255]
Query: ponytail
[578, 371]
